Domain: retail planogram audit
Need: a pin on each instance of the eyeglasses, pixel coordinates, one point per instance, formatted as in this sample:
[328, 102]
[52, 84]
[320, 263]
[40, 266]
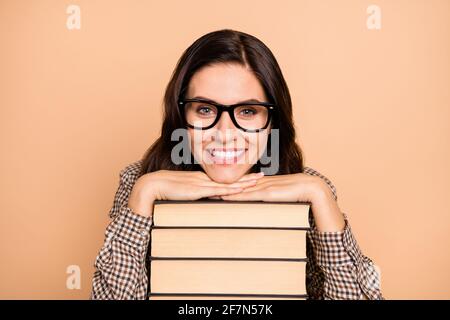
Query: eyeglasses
[204, 114]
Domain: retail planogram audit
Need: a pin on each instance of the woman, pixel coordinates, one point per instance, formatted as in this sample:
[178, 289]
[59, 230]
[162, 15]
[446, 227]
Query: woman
[229, 96]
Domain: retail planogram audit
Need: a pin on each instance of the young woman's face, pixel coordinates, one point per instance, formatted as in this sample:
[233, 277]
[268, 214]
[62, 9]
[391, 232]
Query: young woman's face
[235, 151]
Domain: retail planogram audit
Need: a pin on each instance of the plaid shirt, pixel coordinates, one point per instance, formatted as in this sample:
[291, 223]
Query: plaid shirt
[336, 267]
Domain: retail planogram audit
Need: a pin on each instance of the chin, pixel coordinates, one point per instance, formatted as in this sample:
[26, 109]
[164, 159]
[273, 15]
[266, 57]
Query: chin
[225, 173]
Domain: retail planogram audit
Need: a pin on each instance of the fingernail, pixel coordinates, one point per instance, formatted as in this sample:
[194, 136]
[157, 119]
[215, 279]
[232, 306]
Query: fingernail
[261, 173]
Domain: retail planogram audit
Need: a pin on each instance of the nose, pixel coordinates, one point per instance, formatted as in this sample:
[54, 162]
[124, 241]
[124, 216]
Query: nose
[225, 128]
[225, 122]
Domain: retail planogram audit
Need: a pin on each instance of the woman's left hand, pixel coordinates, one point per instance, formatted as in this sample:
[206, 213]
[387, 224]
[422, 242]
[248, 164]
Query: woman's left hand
[298, 187]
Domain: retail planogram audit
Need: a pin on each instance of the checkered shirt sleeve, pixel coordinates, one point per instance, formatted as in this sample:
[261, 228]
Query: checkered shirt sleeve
[336, 267]
[120, 267]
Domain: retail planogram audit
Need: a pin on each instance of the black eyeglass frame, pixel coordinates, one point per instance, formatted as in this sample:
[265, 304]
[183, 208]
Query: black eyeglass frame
[230, 109]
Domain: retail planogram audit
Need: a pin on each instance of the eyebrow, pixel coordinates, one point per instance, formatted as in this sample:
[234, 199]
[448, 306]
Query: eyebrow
[244, 101]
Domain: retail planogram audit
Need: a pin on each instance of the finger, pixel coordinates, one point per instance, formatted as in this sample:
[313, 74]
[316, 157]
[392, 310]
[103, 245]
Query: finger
[245, 196]
[252, 176]
[217, 191]
[201, 176]
[256, 187]
[243, 184]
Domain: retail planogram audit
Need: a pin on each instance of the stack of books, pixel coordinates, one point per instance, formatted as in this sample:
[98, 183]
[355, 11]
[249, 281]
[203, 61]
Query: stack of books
[215, 249]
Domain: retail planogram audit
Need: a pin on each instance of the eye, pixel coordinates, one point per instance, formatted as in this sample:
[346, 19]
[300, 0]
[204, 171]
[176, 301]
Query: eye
[248, 111]
[205, 110]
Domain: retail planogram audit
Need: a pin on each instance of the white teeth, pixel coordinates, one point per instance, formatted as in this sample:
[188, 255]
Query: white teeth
[226, 154]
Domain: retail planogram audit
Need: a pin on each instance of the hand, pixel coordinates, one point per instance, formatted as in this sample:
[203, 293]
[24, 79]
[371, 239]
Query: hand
[179, 185]
[297, 187]
[247, 177]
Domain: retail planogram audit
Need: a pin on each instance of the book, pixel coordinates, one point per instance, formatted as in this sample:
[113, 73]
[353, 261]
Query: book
[269, 243]
[219, 213]
[215, 249]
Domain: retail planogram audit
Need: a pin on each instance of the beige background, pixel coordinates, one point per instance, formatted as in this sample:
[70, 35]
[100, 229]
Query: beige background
[372, 110]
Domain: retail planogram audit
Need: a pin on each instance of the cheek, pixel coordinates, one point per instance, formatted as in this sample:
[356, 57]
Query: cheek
[257, 145]
[198, 141]
[195, 140]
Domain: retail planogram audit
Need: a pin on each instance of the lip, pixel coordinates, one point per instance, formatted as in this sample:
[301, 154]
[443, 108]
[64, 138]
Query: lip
[211, 152]
[226, 149]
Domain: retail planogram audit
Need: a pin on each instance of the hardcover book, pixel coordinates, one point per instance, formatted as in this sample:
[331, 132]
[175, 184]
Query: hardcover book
[215, 249]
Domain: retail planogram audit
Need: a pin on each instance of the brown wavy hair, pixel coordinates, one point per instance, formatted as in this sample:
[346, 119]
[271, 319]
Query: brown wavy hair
[226, 46]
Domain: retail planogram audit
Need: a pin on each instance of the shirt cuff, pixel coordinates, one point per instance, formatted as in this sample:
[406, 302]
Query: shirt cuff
[131, 228]
[336, 248]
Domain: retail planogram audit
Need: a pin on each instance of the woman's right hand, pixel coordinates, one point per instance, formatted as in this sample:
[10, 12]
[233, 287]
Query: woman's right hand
[180, 185]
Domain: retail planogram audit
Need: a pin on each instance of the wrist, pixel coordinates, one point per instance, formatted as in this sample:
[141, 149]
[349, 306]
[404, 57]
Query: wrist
[326, 212]
[319, 190]
[141, 201]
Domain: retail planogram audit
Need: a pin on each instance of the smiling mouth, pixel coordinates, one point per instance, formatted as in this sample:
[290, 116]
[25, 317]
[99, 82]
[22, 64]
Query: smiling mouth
[229, 156]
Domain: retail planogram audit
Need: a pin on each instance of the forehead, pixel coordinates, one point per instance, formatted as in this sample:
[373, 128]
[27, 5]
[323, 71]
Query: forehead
[226, 83]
